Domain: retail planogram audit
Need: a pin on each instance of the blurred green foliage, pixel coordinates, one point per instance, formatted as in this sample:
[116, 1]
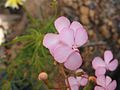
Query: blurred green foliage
[22, 72]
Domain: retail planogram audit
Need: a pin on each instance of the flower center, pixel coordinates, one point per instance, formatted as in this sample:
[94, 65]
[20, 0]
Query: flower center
[74, 47]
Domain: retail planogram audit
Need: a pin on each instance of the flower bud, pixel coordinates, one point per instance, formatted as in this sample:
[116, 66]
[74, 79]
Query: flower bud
[92, 78]
[79, 72]
[43, 76]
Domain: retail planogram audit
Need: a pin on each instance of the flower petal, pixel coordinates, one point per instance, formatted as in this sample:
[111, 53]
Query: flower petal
[98, 62]
[108, 56]
[101, 81]
[100, 71]
[81, 37]
[74, 61]
[61, 22]
[73, 83]
[75, 25]
[113, 65]
[98, 88]
[50, 40]
[83, 80]
[67, 36]
[62, 52]
[112, 86]
[108, 80]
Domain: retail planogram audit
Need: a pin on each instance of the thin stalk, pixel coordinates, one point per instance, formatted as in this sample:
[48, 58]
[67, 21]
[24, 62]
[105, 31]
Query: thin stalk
[64, 74]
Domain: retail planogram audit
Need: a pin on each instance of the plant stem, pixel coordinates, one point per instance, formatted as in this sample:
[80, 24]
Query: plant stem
[64, 74]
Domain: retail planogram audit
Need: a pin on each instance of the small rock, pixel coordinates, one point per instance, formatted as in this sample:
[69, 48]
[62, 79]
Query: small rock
[119, 41]
[91, 34]
[86, 2]
[84, 19]
[75, 6]
[115, 36]
[68, 2]
[113, 30]
[92, 14]
[105, 32]
[110, 23]
[84, 10]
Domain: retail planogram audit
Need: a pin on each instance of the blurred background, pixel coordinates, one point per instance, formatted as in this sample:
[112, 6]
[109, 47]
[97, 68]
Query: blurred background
[20, 67]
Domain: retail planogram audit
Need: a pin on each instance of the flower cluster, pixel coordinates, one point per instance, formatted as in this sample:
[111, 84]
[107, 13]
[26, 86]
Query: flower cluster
[64, 45]
[14, 3]
[100, 66]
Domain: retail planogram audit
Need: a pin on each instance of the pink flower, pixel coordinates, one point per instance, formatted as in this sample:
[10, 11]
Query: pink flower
[108, 63]
[105, 83]
[75, 83]
[63, 46]
[82, 80]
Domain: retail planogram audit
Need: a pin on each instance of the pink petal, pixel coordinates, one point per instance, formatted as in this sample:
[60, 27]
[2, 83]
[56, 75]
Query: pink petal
[98, 88]
[108, 56]
[73, 83]
[78, 80]
[75, 25]
[112, 86]
[51, 51]
[113, 65]
[81, 37]
[75, 87]
[82, 81]
[67, 36]
[100, 71]
[98, 62]
[62, 52]
[61, 22]
[50, 40]
[101, 81]
[74, 61]
[108, 80]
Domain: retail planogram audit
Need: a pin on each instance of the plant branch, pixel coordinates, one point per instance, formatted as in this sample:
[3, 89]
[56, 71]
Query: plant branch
[63, 72]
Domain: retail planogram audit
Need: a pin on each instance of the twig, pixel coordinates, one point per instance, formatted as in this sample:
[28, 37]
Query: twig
[63, 72]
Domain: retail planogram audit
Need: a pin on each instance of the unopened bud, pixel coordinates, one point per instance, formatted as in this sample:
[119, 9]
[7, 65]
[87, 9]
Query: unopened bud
[43, 76]
[92, 78]
[79, 72]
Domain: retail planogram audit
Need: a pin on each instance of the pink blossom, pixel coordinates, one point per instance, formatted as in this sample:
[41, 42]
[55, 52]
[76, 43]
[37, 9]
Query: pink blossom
[105, 83]
[75, 83]
[63, 46]
[82, 80]
[108, 63]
